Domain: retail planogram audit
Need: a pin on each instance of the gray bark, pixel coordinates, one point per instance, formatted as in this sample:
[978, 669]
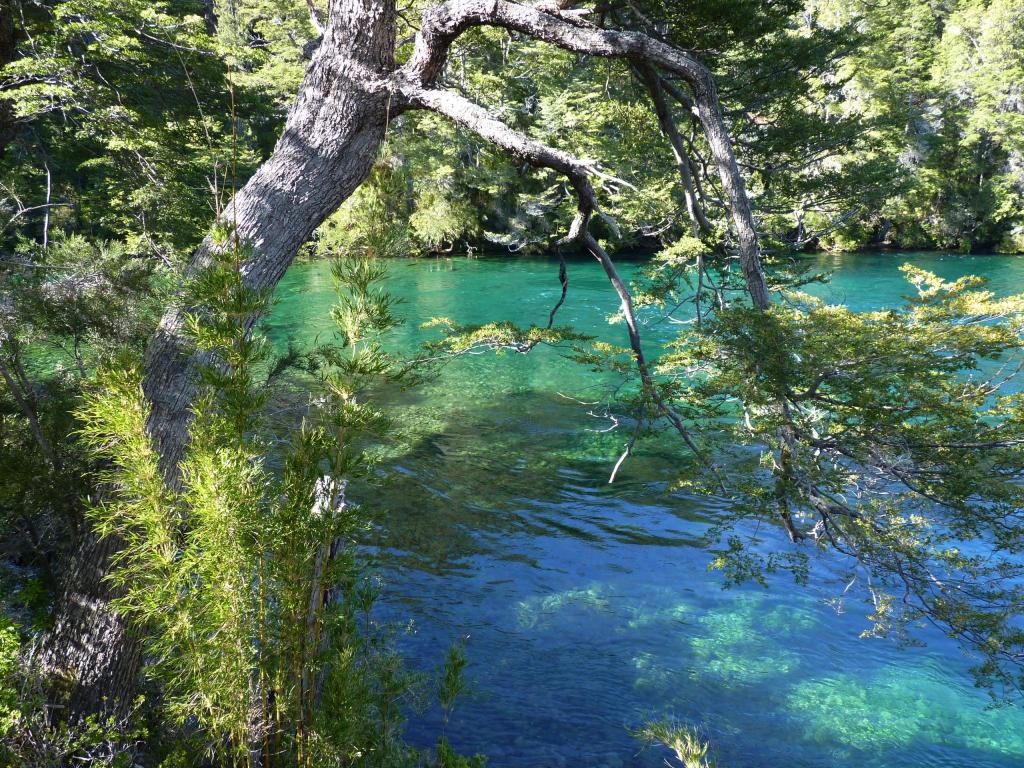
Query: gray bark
[90, 656]
[444, 23]
[328, 147]
[652, 82]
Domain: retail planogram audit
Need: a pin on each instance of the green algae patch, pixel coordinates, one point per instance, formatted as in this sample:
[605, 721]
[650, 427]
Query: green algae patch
[739, 643]
[744, 662]
[757, 616]
[671, 616]
[787, 621]
[539, 610]
[655, 677]
[900, 707]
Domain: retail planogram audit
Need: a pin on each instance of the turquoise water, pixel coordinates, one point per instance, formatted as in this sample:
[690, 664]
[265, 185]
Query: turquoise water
[589, 607]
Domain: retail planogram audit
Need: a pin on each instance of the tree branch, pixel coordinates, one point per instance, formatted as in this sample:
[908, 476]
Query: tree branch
[442, 24]
[477, 119]
[649, 77]
[316, 17]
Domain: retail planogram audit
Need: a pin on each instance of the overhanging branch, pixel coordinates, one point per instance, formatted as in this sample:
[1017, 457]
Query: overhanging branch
[475, 118]
[443, 24]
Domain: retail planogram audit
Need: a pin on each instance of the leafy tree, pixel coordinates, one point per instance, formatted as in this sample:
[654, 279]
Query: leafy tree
[127, 128]
[111, 96]
[939, 81]
[252, 596]
[890, 438]
[62, 310]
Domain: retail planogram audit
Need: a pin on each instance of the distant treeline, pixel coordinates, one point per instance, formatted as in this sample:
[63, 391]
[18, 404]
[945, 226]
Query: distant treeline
[859, 124]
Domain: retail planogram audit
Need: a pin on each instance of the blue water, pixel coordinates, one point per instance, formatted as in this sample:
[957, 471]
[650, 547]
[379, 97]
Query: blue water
[589, 608]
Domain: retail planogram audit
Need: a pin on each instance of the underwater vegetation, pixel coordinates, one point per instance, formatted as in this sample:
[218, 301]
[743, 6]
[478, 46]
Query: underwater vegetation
[754, 642]
[540, 610]
[744, 641]
[901, 706]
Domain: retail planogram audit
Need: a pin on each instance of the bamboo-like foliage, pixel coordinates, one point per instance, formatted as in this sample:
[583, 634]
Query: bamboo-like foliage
[245, 581]
[688, 745]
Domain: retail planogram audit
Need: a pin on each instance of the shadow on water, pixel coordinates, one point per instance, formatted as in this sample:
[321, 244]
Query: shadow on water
[589, 606]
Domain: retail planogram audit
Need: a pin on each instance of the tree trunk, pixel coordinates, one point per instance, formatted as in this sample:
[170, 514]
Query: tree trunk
[89, 657]
[328, 147]
[8, 41]
[330, 142]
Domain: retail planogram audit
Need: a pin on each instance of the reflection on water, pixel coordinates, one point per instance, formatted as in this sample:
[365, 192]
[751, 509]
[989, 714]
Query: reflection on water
[589, 607]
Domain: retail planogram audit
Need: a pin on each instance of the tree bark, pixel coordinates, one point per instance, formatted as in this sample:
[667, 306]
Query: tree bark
[328, 147]
[444, 23]
[652, 82]
[90, 657]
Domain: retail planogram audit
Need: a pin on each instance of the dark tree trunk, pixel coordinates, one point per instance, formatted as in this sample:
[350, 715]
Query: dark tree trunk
[330, 142]
[8, 41]
[694, 209]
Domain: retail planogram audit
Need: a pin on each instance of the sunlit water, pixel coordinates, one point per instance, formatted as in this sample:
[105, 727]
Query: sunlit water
[589, 607]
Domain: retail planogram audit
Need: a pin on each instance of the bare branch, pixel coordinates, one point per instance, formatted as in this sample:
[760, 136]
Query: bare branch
[477, 119]
[316, 16]
[652, 82]
[442, 24]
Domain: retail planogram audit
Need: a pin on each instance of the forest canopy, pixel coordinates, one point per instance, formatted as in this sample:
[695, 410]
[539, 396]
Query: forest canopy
[857, 124]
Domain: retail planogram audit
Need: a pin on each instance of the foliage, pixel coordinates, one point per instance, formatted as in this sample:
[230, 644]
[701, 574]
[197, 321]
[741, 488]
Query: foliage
[368, 224]
[856, 123]
[452, 682]
[941, 85]
[124, 139]
[256, 606]
[685, 741]
[10, 646]
[501, 336]
[398, 213]
[888, 436]
[62, 309]
[448, 758]
[79, 298]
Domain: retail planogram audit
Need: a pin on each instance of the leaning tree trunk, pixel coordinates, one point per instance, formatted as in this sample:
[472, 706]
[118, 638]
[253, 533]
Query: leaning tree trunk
[328, 147]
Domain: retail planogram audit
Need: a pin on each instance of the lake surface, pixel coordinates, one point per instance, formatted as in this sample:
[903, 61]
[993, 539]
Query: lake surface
[589, 607]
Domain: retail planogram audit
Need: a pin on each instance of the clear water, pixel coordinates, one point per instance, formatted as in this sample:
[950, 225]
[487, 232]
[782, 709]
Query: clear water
[589, 607]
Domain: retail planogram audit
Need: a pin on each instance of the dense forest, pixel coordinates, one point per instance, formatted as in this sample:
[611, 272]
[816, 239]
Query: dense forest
[184, 578]
[856, 125]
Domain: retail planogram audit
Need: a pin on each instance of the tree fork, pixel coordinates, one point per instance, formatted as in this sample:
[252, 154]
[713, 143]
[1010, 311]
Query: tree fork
[331, 139]
[442, 24]
[330, 142]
